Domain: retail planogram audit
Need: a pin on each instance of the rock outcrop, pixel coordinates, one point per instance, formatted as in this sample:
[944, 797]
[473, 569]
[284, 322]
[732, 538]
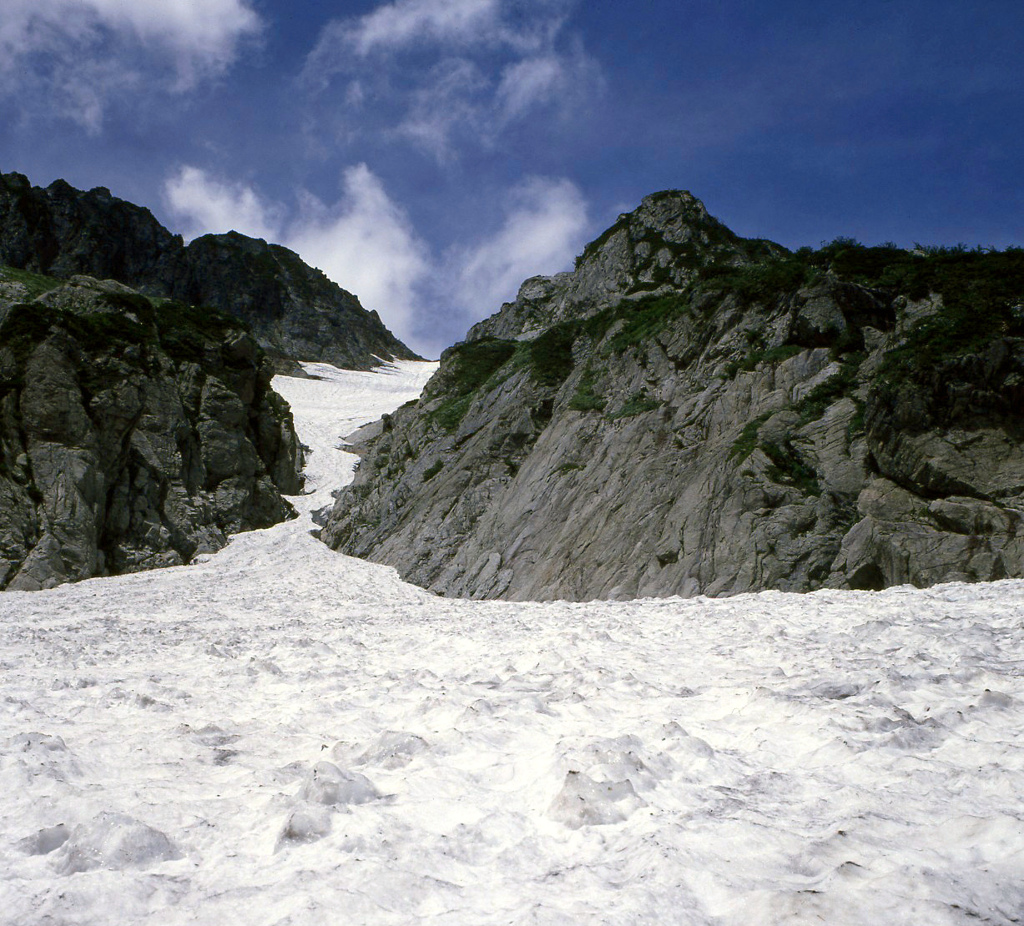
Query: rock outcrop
[134, 433]
[295, 312]
[689, 412]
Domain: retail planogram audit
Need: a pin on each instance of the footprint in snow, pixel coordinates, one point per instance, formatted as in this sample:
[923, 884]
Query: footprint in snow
[45, 841]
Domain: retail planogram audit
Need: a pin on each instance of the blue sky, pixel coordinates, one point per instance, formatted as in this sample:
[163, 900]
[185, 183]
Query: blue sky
[429, 155]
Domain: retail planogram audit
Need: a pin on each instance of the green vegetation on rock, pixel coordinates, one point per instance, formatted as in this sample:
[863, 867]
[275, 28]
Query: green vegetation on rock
[637, 404]
[762, 283]
[644, 319]
[468, 366]
[36, 284]
[744, 445]
[551, 354]
[585, 399]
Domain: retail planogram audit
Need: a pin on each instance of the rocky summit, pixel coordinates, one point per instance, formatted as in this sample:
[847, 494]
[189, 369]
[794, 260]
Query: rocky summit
[690, 412]
[294, 311]
[134, 432]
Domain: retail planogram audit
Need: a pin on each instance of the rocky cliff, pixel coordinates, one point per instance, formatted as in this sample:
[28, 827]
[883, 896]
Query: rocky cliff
[691, 412]
[295, 312]
[134, 432]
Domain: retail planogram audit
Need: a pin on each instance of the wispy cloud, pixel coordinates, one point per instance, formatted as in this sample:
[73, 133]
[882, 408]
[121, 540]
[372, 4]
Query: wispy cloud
[78, 55]
[411, 22]
[366, 242]
[446, 73]
[545, 226]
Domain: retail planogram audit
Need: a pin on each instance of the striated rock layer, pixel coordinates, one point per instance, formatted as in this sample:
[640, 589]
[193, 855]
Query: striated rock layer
[691, 412]
[133, 433]
[295, 312]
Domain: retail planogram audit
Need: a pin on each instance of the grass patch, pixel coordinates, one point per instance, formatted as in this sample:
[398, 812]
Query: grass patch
[982, 293]
[744, 445]
[585, 399]
[787, 467]
[186, 332]
[99, 331]
[36, 283]
[644, 319]
[758, 355]
[467, 367]
[636, 404]
[21, 330]
[760, 283]
[550, 354]
[431, 471]
[450, 413]
[813, 405]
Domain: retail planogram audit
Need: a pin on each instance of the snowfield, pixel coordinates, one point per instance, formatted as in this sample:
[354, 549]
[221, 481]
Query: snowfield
[282, 735]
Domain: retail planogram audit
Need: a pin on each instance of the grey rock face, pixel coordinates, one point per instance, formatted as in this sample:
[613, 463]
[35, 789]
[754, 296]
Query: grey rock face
[295, 312]
[721, 419]
[132, 434]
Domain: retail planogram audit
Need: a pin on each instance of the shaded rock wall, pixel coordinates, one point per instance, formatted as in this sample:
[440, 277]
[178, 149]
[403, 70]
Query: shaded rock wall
[726, 417]
[295, 312]
[133, 434]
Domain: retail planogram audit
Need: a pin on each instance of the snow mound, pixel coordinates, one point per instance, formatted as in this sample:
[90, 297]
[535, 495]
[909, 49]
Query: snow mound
[393, 750]
[305, 824]
[114, 841]
[586, 802]
[328, 784]
[39, 754]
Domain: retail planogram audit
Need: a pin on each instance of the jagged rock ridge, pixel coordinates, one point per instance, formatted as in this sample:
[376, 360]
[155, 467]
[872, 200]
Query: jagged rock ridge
[134, 433]
[691, 412]
[295, 312]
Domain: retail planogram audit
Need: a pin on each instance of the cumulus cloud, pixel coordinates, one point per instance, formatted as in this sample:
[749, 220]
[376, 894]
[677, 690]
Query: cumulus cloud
[545, 226]
[367, 244]
[438, 72]
[364, 241]
[209, 205]
[67, 50]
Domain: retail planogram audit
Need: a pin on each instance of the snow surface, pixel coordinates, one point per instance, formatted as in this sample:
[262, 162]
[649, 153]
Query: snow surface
[283, 735]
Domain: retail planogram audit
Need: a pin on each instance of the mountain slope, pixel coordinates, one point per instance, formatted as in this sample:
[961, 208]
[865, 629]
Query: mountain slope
[690, 412]
[295, 312]
[134, 433]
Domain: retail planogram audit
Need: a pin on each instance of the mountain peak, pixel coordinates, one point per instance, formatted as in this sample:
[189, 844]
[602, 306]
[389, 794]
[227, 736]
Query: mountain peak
[295, 311]
[665, 242]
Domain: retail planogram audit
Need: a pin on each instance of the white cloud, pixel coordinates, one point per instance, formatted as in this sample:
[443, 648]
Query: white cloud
[208, 205]
[545, 227]
[367, 244]
[440, 72]
[407, 22]
[364, 242]
[97, 50]
[448, 99]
